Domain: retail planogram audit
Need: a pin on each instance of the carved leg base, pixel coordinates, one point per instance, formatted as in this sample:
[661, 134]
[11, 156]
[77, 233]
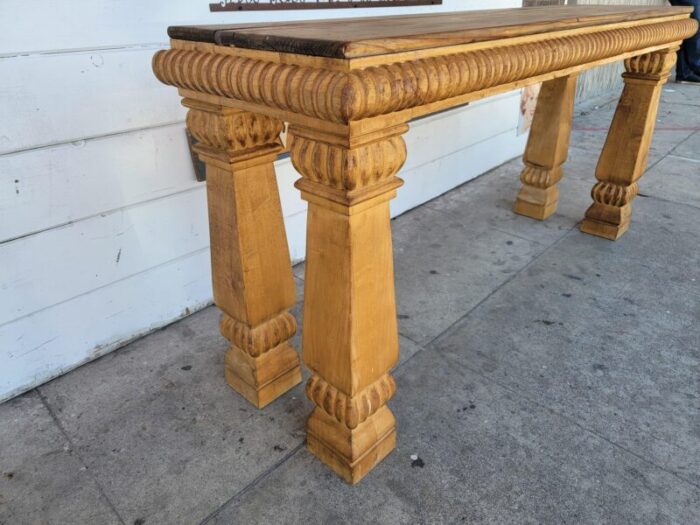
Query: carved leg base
[536, 203]
[351, 453]
[609, 222]
[350, 339]
[624, 157]
[547, 149]
[262, 379]
[251, 271]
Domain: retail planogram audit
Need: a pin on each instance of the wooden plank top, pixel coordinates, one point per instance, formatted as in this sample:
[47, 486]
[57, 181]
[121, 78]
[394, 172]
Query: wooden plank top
[359, 37]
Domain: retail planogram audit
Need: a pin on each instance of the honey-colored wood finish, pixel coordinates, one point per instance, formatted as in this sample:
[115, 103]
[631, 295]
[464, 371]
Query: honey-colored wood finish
[626, 150]
[360, 37]
[350, 340]
[547, 149]
[348, 100]
[251, 269]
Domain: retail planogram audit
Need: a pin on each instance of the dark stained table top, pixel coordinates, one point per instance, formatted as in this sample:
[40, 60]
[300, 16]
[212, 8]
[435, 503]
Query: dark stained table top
[358, 37]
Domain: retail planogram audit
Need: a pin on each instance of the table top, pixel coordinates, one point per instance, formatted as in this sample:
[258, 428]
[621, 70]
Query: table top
[359, 37]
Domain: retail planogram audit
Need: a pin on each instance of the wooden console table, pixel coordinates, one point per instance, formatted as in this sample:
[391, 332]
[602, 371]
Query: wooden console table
[348, 88]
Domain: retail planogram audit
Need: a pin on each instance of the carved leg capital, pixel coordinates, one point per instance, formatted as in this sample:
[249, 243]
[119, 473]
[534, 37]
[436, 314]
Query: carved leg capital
[547, 149]
[251, 269]
[350, 338]
[626, 151]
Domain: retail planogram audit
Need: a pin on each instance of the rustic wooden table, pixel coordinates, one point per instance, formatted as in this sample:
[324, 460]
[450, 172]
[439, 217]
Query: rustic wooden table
[348, 88]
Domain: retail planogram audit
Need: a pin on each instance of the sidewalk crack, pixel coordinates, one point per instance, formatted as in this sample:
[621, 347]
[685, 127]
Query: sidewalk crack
[92, 476]
[235, 499]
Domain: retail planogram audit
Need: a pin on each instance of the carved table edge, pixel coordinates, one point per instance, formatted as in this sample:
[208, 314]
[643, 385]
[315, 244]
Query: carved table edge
[341, 98]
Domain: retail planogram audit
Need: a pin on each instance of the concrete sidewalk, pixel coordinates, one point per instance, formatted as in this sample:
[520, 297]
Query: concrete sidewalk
[546, 376]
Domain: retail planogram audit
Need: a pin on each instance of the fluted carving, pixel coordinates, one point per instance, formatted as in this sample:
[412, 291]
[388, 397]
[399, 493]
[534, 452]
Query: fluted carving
[539, 176]
[240, 130]
[257, 340]
[612, 194]
[626, 150]
[343, 97]
[350, 411]
[547, 149]
[231, 130]
[346, 120]
[317, 92]
[345, 168]
[251, 271]
[350, 339]
[654, 66]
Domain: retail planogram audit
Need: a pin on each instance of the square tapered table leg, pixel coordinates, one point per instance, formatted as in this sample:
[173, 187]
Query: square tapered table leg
[251, 268]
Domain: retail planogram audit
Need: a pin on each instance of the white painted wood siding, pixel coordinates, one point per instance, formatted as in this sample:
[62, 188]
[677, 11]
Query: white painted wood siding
[103, 230]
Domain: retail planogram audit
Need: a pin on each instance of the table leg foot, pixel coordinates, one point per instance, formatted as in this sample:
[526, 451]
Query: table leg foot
[536, 203]
[262, 379]
[547, 149]
[351, 453]
[605, 230]
[624, 157]
[251, 269]
[350, 338]
[351, 434]
[608, 222]
[260, 364]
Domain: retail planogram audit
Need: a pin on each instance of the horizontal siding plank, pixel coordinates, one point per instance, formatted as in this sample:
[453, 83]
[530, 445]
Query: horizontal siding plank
[105, 228]
[439, 135]
[53, 24]
[85, 327]
[82, 328]
[49, 343]
[439, 176]
[62, 98]
[296, 236]
[51, 267]
[48, 187]
[52, 186]
[84, 255]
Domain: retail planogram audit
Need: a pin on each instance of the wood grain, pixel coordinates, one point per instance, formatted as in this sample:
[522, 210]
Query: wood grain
[181, 285]
[626, 150]
[547, 149]
[350, 340]
[347, 116]
[352, 38]
[341, 97]
[251, 269]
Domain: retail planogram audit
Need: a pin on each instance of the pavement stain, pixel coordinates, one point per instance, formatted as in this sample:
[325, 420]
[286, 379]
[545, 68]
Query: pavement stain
[417, 462]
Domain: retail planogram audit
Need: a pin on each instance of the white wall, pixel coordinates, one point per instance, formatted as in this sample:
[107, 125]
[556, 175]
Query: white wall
[103, 230]
[608, 78]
